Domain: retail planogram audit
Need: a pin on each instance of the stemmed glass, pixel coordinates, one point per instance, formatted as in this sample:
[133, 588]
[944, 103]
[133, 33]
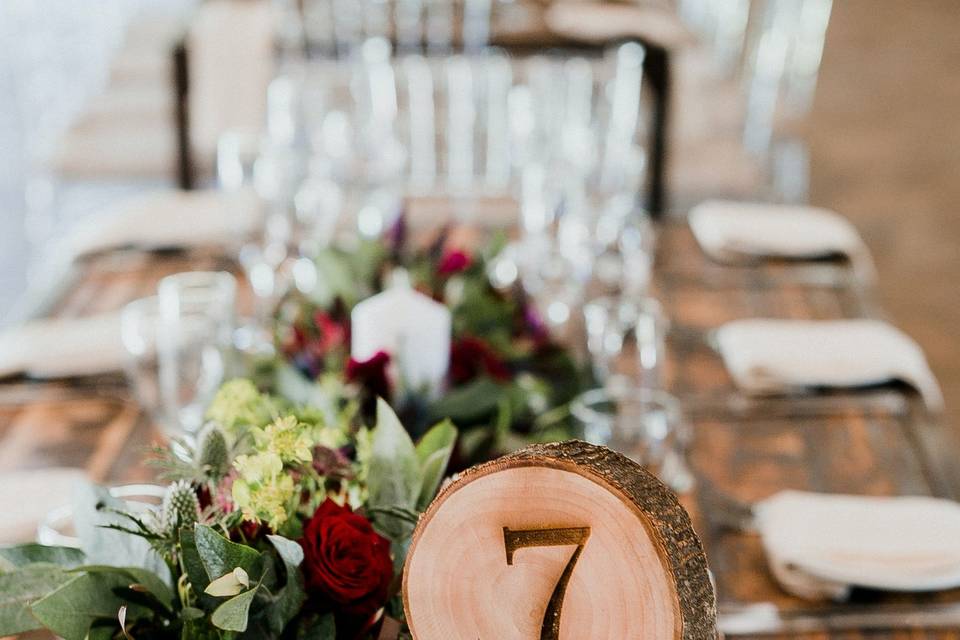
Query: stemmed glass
[645, 425]
[139, 326]
[194, 344]
[612, 325]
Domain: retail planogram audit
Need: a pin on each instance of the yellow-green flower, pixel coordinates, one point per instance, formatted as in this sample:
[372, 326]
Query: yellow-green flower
[287, 438]
[237, 405]
[260, 467]
[330, 437]
[268, 501]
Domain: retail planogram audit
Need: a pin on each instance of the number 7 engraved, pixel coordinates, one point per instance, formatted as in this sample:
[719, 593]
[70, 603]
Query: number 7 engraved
[514, 540]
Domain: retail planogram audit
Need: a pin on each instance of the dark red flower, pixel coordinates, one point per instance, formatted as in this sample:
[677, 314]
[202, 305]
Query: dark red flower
[330, 333]
[345, 560]
[534, 326]
[371, 374]
[470, 357]
[454, 261]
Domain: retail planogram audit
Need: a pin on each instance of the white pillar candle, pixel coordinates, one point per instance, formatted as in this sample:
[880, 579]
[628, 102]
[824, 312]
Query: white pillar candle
[413, 328]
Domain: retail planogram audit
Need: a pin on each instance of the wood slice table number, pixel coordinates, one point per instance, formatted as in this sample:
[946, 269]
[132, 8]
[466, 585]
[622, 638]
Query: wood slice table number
[565, 541]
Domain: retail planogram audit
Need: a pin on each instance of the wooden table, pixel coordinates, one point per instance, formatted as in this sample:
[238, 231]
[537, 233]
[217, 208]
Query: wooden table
[879, 442]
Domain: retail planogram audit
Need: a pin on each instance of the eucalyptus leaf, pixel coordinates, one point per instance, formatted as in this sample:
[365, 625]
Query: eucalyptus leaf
[470, 403]
[75, 606]
[20, 589]
[192, 563]
[393, 478]
[288, 600]
[233, 615]
[135, 575]
[220, 556]
[433, 452]
[12, 558]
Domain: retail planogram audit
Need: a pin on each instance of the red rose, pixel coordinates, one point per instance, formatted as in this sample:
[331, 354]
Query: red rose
[346, 560]
[371, 374]
[469, 357]
[454, 261]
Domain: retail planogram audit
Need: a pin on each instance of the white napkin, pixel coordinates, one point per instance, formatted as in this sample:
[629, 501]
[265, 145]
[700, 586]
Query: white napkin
[62, 347]
[230, 48]
[778, 356]
[126, 149]
[168, 219]
[821, 545]
[28, 496]
[738, 231]
[605, 22]
[137, 67]
[148, 105]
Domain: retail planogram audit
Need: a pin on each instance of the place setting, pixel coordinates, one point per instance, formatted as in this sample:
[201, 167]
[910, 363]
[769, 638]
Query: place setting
[422, 339]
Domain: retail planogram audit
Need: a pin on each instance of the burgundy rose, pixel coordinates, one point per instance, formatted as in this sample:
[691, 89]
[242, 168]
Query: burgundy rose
[371, 374]
[396, 236]
[330, 334]
[534, 325]
[345, 560]
[453, 262]
[470, 357]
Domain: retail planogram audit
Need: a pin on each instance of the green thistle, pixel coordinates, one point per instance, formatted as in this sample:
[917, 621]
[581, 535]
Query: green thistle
[212, 453]
[180, 507]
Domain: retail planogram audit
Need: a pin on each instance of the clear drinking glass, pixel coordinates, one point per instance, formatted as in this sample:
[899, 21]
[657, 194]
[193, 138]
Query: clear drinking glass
[194, 344]
[237, 155]
[618, 328]
[139, 323]
[645, 425]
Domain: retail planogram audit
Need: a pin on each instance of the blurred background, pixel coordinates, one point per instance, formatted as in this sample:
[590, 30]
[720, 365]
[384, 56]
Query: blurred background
[881, 134]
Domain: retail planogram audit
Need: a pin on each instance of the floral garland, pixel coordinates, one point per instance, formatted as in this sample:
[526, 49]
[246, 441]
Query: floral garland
[284, 521]
[508, 382]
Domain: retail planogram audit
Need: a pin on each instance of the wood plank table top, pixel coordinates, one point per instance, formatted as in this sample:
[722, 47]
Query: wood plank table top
[877, 442]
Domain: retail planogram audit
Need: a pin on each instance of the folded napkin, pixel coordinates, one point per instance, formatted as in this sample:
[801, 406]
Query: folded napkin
[778, 356]
[167, 219]
[125, 150]
[149, 105]
[821, 545]
[28, 496]
[739, 231]
[63, 347]
[607, 22]
[135, 67]
[231, 57]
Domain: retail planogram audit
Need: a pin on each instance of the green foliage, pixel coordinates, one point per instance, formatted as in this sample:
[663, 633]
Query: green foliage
[233, 615]
[394, 478]
[16, 557]
[219, 555]
[70, 610]
[323, 628]
[401, 478]
[20, 588]
[289, 598]
[433, 453]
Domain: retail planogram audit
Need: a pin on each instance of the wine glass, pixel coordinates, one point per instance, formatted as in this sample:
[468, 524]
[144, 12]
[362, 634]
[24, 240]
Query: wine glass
[645, 425]
[194, 344]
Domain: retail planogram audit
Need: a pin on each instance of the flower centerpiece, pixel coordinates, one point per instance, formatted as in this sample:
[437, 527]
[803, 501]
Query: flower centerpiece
[507, 382]
[282, 521]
